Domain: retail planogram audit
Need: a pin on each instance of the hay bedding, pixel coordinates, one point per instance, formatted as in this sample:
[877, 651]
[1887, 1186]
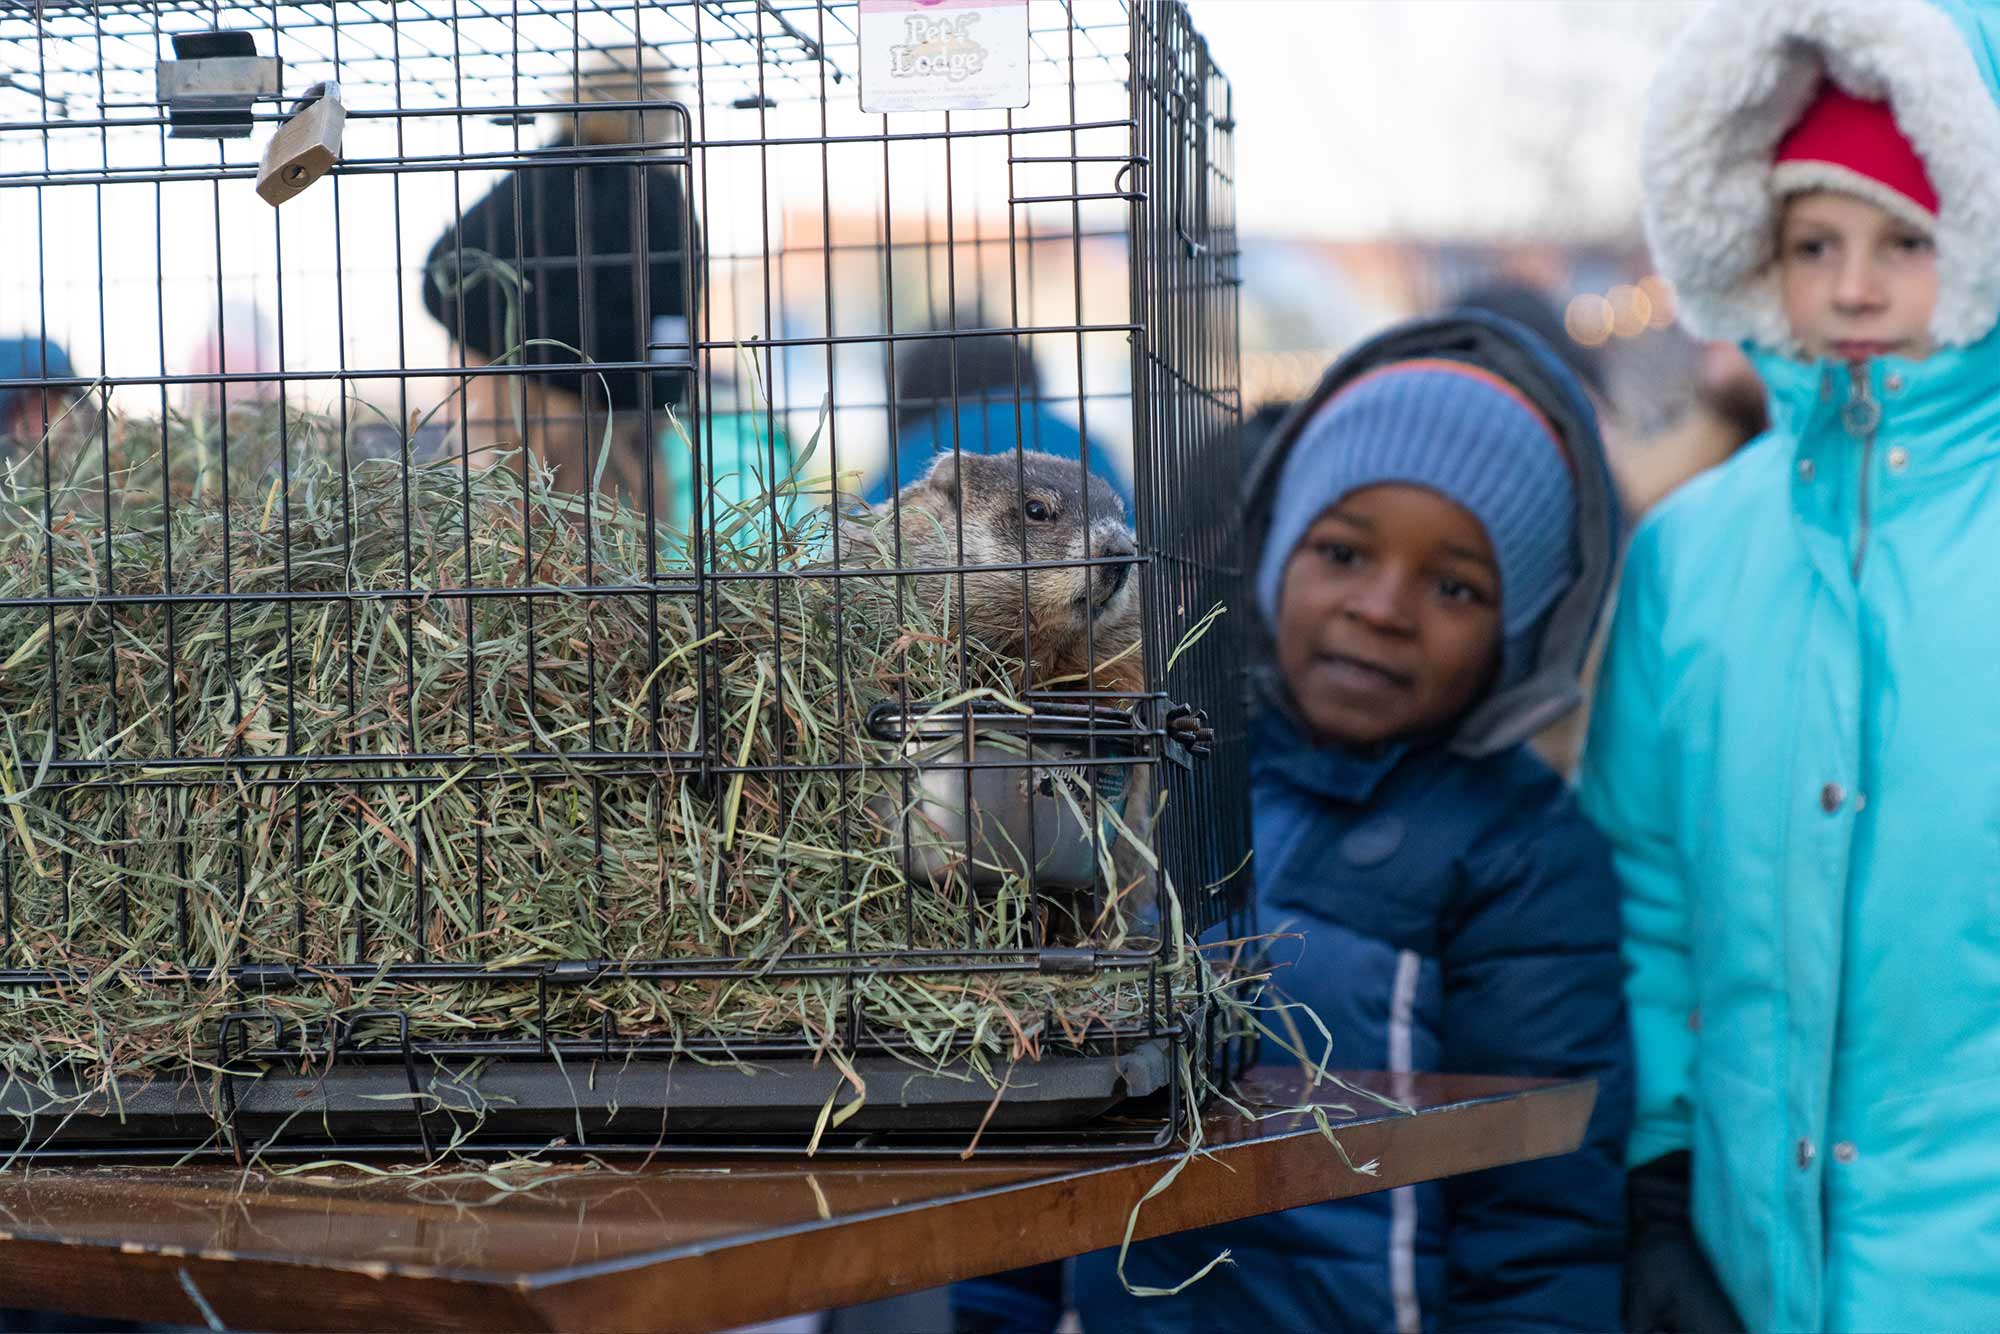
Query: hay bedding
[520, 863]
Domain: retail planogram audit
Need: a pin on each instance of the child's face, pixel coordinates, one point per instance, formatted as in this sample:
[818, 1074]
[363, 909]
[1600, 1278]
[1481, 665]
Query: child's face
[1389, 615]
[1858, 282]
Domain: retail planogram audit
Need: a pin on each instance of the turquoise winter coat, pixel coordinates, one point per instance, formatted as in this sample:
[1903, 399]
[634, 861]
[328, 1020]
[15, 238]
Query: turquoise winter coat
[1796, 743]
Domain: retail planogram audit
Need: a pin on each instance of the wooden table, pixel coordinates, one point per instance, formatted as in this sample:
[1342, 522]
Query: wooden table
[701, 1244]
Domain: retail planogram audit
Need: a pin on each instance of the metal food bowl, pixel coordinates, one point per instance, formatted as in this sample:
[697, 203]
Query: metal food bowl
[994, 795]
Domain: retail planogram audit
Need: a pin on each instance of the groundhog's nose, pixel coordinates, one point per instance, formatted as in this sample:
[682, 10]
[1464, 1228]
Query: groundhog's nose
[1117, 574]
[1111, 579]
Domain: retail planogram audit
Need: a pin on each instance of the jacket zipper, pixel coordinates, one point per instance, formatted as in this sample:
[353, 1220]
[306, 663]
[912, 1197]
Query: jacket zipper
[1861, 415]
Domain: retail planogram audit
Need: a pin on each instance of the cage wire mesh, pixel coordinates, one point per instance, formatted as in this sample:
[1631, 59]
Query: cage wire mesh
[484, 657]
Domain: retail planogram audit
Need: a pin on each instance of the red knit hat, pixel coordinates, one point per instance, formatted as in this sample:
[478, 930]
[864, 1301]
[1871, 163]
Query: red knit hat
[1850, 144]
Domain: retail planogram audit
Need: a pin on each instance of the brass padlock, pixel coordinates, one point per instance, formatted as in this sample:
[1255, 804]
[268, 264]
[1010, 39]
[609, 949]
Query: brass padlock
[304, 146]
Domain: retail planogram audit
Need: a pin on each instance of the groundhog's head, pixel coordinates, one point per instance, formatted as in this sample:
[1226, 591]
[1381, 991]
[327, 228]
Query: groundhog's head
[1026, 508]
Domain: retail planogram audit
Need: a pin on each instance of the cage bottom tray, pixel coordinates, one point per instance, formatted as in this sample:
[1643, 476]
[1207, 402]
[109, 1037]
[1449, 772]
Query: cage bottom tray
[586, 1104]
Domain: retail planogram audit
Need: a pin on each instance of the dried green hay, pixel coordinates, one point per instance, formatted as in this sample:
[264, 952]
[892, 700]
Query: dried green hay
[340, 638]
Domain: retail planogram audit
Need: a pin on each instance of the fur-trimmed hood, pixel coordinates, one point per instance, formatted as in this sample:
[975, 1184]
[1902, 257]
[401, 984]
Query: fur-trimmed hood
[1741, 76]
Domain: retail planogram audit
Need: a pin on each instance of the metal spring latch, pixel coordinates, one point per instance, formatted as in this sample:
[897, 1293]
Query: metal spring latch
[212, 83]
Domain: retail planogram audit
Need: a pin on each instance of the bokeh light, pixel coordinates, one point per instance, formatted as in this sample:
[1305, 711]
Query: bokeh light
[1631, 310]
[1589, 319]
[1661, 293]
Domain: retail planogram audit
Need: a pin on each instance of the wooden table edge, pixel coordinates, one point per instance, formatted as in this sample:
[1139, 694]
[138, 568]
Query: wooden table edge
[1050, 1219]
[855, 1257]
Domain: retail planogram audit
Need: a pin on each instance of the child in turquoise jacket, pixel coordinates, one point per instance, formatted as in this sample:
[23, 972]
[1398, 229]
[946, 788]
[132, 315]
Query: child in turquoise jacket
[1793, 747]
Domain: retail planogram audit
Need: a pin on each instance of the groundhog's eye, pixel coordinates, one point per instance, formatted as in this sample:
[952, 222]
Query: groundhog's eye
[1037, 512]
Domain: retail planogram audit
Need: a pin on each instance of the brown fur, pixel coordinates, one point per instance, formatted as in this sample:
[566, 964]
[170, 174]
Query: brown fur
[1054, 633]
[1077, 627]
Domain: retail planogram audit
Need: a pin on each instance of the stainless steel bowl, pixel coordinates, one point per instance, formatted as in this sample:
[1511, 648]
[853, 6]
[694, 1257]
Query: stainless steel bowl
[995, 795]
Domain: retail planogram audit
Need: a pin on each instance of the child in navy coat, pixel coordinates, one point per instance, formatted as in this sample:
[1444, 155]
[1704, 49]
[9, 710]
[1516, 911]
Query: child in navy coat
[1437, 536]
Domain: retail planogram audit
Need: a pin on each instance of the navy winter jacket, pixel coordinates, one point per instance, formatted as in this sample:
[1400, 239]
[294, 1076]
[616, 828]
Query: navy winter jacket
[1456, 914]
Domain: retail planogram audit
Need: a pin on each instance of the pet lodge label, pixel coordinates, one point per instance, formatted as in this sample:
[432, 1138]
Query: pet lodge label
[943, 55]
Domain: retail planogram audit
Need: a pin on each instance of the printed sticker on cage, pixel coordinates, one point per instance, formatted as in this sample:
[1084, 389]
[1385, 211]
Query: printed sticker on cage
[943, 55]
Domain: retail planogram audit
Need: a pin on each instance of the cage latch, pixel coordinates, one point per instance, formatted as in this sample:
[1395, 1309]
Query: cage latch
[212, 83]
[571, 972]
[1070, 959]
[305, 146]
[266, 976]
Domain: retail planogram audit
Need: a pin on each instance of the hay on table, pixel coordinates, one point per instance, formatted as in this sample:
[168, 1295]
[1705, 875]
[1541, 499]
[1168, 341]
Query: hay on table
[556, 808]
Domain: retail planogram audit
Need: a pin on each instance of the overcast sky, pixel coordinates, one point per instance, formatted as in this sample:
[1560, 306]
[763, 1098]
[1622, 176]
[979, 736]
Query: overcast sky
[1476, 119]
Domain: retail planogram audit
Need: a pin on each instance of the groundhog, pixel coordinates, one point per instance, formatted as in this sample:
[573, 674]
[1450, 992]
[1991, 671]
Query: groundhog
[1072, 618]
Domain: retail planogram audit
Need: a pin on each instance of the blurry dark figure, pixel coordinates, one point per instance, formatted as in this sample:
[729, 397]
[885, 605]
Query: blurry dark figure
[524, 276]
[961, 392]
[1257, 429]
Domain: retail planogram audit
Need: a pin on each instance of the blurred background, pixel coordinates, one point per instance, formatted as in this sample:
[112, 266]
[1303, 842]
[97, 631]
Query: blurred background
[1393, 153]
[1394, 157]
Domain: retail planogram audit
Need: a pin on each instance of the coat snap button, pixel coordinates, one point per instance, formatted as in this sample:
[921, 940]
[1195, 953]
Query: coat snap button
[1860, 802]
[1844, 1152]
[1805, 470]
[1830, 798]
[1805, 1154]
[1373, 843]
[1893, 382]
[1899, 459]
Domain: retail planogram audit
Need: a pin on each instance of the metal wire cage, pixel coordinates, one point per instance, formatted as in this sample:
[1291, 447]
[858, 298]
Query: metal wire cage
[441, 648]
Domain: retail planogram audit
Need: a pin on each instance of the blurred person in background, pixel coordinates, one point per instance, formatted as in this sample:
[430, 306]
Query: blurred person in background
[1725, 413]
[28, 413]
[544, 272]
[26, 410]
[242, 340]
[1533, 308]
[981, 394]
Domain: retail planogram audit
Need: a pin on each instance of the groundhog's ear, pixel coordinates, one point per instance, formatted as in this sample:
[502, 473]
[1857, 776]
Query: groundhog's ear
[943, 475]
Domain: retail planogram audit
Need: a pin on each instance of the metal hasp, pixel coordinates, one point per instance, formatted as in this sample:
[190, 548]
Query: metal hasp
[305, 147]
[997, 796]
[212, 82]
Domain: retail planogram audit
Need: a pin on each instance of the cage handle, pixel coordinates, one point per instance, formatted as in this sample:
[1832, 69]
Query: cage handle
[226, 1075]
[343, 1036]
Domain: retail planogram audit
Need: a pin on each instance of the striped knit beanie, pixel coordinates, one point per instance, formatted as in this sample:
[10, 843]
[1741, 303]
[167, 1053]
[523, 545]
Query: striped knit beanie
[1463, 432]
